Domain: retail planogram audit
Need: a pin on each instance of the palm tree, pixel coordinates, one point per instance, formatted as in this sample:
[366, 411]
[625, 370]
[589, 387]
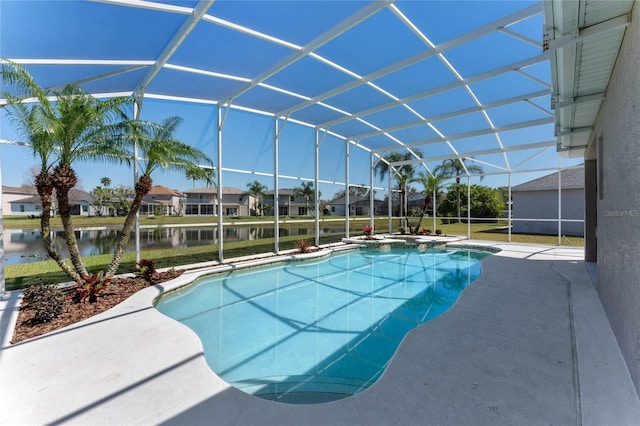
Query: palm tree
[106, 182]
[307, 192]
[456, 168]
[61, 132]
[431, 184]
[403, 174]
[38, 124]
[206, 174]
[257, 191]
[83, 128]
[158, 149]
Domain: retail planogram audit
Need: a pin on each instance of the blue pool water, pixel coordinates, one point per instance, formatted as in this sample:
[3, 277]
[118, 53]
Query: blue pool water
[320, 330]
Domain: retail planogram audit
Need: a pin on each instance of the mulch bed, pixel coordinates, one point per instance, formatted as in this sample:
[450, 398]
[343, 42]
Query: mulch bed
[118, 290]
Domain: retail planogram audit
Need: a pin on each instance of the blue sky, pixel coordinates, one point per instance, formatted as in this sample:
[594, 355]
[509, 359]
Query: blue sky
[247, 137]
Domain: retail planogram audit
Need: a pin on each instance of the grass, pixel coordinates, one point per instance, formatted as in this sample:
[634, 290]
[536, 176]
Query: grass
[23, 275]
[18, 222]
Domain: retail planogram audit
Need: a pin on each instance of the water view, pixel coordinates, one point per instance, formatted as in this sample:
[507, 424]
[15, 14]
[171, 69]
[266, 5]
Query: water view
[25, 245]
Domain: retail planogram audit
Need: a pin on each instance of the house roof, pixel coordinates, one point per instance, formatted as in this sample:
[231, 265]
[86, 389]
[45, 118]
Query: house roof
[282, 191]
[412, 198]
[79, 195]
[570, 179]
[34, 199]
[75, 196]
[163, 190]
[27, 190]
[164, 202]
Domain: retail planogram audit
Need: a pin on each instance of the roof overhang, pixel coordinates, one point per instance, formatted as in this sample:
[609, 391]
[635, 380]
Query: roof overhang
[584, 39]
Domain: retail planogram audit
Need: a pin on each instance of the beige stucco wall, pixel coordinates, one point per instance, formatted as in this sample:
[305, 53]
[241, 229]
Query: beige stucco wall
[618, 210]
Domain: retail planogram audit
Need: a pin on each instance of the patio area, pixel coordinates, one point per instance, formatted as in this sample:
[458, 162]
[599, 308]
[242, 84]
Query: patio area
[527, 343]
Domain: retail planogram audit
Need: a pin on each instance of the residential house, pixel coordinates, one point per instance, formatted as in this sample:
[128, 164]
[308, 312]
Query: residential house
[203, 202]
[162, 200]
[289, 204]
[20, 201]
[415, 203]
[538, 199]
[25, 201]
[358, 206]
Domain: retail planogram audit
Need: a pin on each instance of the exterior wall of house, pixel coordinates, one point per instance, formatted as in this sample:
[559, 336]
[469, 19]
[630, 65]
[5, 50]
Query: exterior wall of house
[200, 204]
[171, 204]
[336, 209]
[236, 204]
[80, 208]
[9, 197]
[288, 205]
[544, 205]
[17, 208]
[205, 204]
[616, 135]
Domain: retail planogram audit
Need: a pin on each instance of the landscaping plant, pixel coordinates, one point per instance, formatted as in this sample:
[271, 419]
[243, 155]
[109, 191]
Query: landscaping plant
[46, 300]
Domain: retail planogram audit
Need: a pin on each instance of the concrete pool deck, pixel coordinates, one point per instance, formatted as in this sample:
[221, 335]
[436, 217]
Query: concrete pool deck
[527, 343]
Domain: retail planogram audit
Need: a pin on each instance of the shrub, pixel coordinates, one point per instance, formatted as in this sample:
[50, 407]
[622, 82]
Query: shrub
[302, 245]
[485, 202]
[367, 230]
[145, 269]
[91, 288]
[438, 232]
[46, 300]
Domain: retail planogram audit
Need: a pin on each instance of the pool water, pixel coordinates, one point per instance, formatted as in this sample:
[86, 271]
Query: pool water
[319, 330]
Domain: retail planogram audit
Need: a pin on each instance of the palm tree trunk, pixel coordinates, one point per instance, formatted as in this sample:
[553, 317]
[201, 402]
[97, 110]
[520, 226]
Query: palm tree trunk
[63, 179]
[45, 191]
[142, 188]
[424, 211]
[69, 232]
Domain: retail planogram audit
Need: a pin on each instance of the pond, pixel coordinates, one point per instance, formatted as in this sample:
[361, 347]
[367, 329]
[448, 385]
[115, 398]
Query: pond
[25, 245]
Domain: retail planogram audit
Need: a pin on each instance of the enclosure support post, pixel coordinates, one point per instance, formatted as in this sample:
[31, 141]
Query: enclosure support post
[509, 208]
[371, 196]
[346, 188]
[433, 205]
[469, 207]
[219, 124]
[276, 204]
[137, 107]
[559, 203]
[390, 204]
[317, 191]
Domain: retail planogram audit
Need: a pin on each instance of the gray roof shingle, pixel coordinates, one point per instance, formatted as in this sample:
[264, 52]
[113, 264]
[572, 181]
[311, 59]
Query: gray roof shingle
[570, 179]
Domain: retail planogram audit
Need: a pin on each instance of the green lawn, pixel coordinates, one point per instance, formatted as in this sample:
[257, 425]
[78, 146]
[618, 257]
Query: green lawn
[14, 222]
[20, 276]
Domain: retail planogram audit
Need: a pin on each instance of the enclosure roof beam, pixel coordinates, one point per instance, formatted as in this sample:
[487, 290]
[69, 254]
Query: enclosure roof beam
[441, 89]
[465, 38]
[457, 113]
[178, 38]
[514, 148]
[497, 129]
[319, 41]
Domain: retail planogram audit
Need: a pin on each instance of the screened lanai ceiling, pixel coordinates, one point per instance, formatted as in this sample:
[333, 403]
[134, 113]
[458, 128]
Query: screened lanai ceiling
[474, 79]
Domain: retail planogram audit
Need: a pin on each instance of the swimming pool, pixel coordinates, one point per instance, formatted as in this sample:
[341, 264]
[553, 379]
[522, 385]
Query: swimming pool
[318, 330]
